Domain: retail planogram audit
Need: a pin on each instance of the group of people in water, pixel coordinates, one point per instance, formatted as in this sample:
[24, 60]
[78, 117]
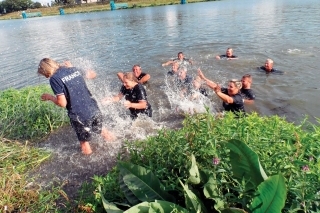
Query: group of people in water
[71, 92]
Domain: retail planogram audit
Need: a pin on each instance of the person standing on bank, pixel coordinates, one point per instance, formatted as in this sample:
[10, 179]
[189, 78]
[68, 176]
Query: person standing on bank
[72, 93]
[135, 95]
[231, 97]
[141, 76]
[229, 55]
[246, 91]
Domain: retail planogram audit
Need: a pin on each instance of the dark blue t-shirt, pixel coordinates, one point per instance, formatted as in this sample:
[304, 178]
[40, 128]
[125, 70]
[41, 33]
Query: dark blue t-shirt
[274, 71]
[225, 56]
[237, 105]
[80, 103]
[247, 94]
[134, 95]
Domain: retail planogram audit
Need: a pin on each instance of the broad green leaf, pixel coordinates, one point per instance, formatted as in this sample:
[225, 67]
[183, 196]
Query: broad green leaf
[245, 163]
[160, 206]
[127, 192]
[140, 208]
[193, 203]
[233, 210]
[143, 183]
[271, 195]
[194, 172]
[210, 188]
[109, 207]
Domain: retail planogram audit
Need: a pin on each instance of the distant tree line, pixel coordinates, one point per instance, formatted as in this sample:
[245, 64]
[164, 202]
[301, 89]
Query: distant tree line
[8, 6]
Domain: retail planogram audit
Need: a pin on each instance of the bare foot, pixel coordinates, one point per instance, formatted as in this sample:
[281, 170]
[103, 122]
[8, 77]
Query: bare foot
[107, 135]
[85, 148]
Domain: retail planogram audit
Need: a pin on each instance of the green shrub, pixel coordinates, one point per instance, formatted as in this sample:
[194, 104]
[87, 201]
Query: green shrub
[282, 147]
[25, 116]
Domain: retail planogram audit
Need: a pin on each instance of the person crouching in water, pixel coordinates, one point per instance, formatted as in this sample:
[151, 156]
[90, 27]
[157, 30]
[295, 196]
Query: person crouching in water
[231, 96]
[135, 95]
[72, 93]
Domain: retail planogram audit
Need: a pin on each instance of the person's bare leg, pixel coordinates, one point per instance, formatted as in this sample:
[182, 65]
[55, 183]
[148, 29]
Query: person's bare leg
[107, 135]
[85, 147]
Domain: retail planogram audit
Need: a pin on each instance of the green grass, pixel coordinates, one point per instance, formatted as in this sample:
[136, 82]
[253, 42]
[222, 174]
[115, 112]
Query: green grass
[282, 147]
[92, 7]
[24, 116]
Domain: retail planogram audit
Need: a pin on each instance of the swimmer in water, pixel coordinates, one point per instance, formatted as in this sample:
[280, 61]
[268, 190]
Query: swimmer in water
[229, 55]
[135, 95]
[141, 76]
[231, 96]
[181, 60]
[268, 68]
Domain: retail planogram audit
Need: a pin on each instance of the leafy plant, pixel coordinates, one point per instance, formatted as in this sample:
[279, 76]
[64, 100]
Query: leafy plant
[282, 147]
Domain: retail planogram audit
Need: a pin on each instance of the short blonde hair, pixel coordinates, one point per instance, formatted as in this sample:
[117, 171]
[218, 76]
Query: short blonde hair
[269, 60]
[236, 82]
[48, 67]
[130, 76]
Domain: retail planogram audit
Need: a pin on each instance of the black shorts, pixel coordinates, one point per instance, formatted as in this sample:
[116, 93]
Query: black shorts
[85, 129]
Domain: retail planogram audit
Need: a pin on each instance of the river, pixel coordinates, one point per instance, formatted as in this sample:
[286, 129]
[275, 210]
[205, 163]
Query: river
[286, 31]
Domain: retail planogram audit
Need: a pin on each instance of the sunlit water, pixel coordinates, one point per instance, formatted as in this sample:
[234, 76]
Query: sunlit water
[286, 31]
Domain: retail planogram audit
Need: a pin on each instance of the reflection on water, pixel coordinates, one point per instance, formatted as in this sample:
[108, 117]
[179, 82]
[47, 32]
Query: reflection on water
[109, 42]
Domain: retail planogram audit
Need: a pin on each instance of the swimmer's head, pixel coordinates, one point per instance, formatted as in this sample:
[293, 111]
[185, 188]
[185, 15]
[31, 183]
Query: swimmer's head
[246, 81]
[180, 55]
[229, 52]
[175, 66]
[47, 67]
[182, 72]
[129, 80]
[136, 69]
[268, 65]
[234, 86]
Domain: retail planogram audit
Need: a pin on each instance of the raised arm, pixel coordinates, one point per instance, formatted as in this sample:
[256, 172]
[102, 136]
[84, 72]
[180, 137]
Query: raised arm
[120, 76]
[167, 63]
[209, 83]
[224, 97]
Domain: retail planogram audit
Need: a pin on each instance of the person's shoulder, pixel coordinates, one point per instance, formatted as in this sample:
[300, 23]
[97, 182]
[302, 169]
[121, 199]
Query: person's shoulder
[276, 71]
[234, 56]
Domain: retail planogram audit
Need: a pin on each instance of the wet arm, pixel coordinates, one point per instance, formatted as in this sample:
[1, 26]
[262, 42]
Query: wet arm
[144, 79]
[141, 105]
[59, 100]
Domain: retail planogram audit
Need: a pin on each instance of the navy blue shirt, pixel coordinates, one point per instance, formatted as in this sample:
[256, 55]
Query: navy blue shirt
[274, 71]
[80, 103]
[134, 95]
[247, 94]
[225, 56]
[237, 105]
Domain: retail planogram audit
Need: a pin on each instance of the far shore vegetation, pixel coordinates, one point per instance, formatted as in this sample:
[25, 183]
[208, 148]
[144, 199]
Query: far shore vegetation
[89, 7]
[212, 164]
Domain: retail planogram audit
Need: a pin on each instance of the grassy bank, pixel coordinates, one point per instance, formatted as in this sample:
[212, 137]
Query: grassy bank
[284, 151]
[93, 7]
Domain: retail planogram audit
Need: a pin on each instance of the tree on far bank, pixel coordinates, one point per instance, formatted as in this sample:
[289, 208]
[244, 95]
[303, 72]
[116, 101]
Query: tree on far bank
[15, 5]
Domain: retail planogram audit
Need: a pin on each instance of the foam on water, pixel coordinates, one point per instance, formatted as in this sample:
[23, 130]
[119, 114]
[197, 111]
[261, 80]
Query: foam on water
[72, 168]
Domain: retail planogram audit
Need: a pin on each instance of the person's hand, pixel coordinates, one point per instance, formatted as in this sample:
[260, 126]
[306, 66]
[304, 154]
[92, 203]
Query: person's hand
[67, 64]
[107, 100]
[200, 74]
[217, 57]
[127, 104]
[163, 65]
[217, 89]
[46, 97]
